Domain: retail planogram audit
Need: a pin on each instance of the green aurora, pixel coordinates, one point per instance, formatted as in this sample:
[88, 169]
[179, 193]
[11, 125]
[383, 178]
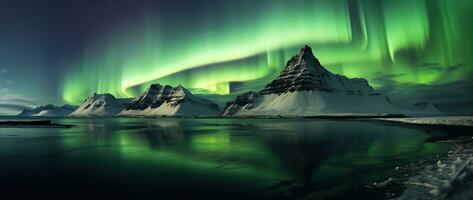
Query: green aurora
[226, 47]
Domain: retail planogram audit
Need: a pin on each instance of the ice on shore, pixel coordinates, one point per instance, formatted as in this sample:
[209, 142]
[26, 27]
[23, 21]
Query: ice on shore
[450, 120]
[437, 180]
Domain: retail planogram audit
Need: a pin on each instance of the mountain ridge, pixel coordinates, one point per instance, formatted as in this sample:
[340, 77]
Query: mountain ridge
[100, 105]
[168, 100]
[49, 110]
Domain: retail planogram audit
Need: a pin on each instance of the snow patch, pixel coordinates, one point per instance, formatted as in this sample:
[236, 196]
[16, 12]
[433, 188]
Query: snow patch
[312, 103]
[99, 105]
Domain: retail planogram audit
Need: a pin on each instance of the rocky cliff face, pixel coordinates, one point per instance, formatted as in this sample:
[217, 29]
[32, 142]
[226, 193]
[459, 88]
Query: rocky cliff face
[302, 72]
[168, 100]
[242, 102]
[305, 87]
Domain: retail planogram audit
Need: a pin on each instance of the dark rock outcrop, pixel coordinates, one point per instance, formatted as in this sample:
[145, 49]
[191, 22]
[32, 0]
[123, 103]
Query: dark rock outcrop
[302, 72]
[158, 95]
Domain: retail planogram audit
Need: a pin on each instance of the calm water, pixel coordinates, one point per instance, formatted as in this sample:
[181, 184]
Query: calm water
[206, 158]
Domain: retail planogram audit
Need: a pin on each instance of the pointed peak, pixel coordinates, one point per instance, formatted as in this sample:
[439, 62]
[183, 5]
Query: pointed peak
[302, 72]
[306, 49]
[155, 86]
[306, 52]
[306, 56]
[180, 87]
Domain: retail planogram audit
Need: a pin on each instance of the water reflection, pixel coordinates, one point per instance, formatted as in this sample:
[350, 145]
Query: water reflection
[297, 147]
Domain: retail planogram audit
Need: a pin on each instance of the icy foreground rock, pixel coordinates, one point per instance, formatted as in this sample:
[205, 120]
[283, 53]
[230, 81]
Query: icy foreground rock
[306, 88]
[167, 100]
[49, 110]
[100, 105]
[439, 180]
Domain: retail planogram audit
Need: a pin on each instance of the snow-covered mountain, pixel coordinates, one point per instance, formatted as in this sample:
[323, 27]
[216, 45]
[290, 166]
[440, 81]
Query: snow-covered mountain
[49, 110]
[168, 100]
[423, 108]
[100, 105]
[306, 88]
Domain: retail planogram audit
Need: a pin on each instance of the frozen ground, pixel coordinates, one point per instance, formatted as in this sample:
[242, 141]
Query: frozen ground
[442, 176]
[441, 179]
[450, 120]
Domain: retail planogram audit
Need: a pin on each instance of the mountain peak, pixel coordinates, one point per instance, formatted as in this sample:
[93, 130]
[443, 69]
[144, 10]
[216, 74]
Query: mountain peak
[180, 87]
[99, 105]
[157, 94]
[181, 90]
[302, 72]
[155, 86]
[306, 50]
[305, 57]
[168, 100]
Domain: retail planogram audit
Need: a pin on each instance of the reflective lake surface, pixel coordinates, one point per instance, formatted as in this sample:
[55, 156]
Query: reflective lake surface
[146, 158]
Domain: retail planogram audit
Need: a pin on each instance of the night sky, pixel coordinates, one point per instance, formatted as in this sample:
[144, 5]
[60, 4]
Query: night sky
[61, 51]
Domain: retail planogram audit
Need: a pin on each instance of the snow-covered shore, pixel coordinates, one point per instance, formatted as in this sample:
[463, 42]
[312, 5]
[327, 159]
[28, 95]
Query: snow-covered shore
[441, 179]
[447, 120]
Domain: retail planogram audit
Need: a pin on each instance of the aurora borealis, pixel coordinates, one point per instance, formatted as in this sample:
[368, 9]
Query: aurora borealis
[226, 47]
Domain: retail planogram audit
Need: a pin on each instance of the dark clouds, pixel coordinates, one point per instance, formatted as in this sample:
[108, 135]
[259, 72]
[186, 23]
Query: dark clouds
[12, 109]
[15, 107]
[11, 103]
[451, 97]
[387, 81]
[454, 97]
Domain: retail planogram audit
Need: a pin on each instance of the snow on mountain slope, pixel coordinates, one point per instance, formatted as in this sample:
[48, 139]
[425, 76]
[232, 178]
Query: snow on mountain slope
[49, 110]
[167, 100]
[306, 88]
[100, 105]
[306, 103]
